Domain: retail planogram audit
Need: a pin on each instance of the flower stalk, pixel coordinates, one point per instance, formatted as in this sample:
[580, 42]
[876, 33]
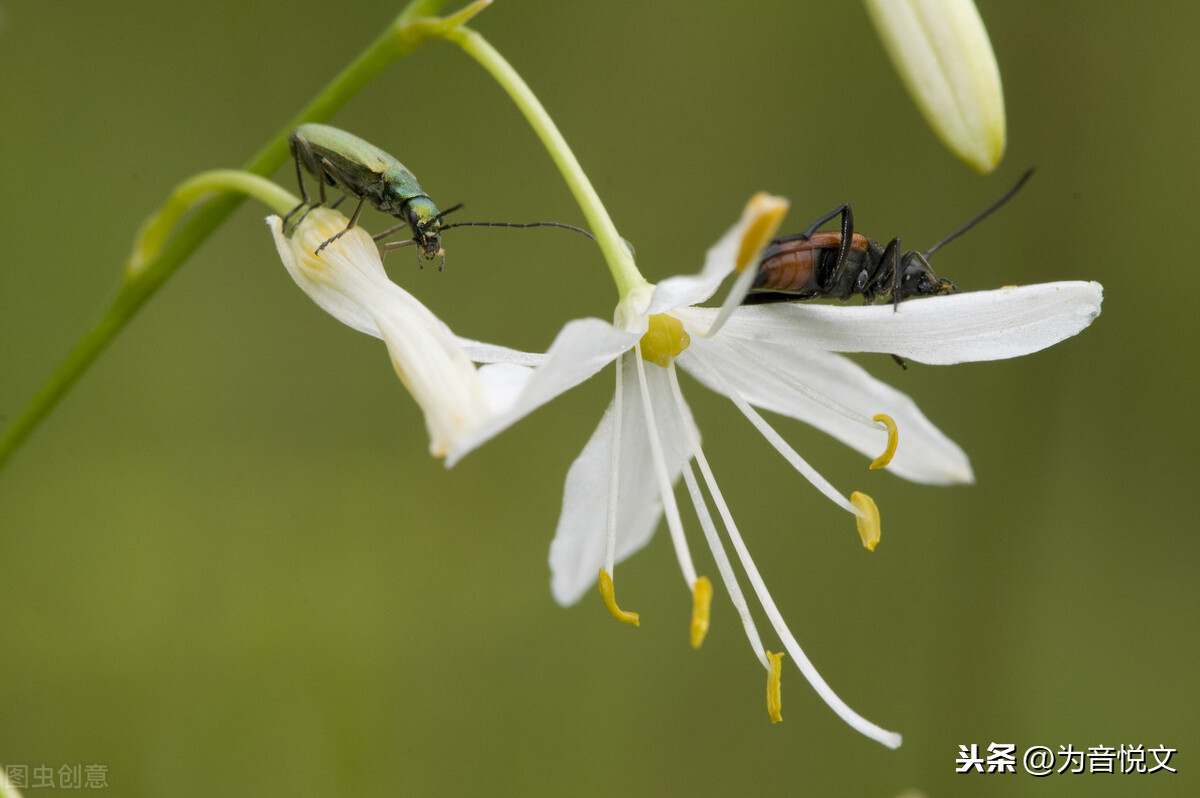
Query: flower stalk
[616, 254]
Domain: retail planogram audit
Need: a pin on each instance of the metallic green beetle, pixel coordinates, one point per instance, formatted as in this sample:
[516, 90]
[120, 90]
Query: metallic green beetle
[369, 174]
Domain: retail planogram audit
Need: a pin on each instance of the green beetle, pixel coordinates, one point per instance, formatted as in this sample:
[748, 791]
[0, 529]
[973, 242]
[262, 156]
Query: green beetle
[367, 173]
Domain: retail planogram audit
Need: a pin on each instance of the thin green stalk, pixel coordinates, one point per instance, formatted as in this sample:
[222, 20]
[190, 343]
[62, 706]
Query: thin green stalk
[149, 268]
[620, 262]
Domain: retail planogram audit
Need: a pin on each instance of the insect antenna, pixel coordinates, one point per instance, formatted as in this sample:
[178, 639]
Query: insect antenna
[983, 215]
[441, 215]
[559, 225]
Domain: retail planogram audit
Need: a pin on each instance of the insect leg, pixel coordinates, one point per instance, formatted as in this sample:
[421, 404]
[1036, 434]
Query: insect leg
[297, 142]
[349, 226]
[890, 259]
[847, 232]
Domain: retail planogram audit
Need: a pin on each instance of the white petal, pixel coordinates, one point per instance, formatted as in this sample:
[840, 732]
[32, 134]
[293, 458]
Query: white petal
[324, 280]
[582, 347]
[482, 352]
[925, 454]
[349, 282]
[957, 328]
[578, 550]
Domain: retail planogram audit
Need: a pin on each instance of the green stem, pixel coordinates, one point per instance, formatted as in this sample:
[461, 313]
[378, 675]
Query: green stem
[149, 266]
[616, 254]
[154, 231]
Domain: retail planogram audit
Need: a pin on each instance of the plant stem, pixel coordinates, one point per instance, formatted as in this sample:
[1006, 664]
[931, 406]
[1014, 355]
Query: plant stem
[616, 254]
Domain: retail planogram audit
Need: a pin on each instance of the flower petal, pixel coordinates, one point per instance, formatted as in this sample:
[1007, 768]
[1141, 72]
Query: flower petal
[957, 328]
[512, 390]
[325, 280]
[578, 549]
[752, 368]
[482, 352]
[348, 281]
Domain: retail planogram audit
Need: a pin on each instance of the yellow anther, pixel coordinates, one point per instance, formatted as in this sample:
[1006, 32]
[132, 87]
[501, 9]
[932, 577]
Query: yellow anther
[774, 694]
[610, 600]
[893, 438]
[767, 212]
[665, 340]
[868, 526]
[701, 599]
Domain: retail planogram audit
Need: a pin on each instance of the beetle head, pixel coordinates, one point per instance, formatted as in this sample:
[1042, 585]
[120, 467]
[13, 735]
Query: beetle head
[918, 279]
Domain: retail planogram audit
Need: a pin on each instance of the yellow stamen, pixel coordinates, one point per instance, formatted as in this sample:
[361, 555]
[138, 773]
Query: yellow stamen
[768, 213]
[701, 599]
[893, 438]
[774, 694]
[868, 527]
[610, 601]
[665, 340]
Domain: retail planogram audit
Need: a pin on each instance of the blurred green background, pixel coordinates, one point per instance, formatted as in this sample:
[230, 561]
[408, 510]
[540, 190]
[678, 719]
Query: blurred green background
[229, 566]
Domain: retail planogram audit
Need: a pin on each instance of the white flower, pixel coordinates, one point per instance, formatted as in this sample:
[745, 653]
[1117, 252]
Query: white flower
[942, 52]
[347, 280]
[777, 357]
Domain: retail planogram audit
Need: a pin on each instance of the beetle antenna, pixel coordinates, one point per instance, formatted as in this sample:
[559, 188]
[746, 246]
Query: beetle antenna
[986, 212]
[438, 218]
[559, 225]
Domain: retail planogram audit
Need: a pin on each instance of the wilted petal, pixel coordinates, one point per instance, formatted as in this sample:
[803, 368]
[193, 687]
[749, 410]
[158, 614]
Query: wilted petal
[340, 280]
[348, 282]
[942, 52]
[957, 328]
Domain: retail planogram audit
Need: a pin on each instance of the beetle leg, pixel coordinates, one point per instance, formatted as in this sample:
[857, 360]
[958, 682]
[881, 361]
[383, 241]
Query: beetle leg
[889, 258]
[349, 226]
[847, 236]
[296, 143]
[847, 232]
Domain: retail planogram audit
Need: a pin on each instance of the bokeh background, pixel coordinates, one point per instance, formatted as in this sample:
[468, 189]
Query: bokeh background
[229, 566]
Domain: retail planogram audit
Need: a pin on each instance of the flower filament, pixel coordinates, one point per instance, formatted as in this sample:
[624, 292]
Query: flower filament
[665, 340]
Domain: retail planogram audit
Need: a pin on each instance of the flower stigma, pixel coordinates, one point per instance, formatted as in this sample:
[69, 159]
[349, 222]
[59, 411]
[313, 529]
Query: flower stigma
[665, 340]
[610, 600]
[774, 686]
[893, 439]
